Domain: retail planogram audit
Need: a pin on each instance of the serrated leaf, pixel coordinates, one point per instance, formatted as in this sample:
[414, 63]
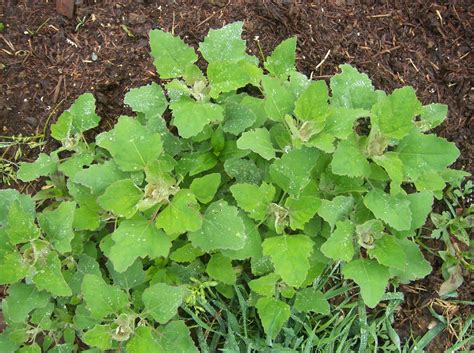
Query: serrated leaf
[224, 44]
[181, 215]
[49, 276]
[191, 117]
[196, 162]
[352, 89]
[101, 298]
[289, 254]
[130, 278]
[432, 115]
[149, 100]
[292, 172]
[258, 141]
[85, 265]
[175, 337]
[301, 210]
[422, 153]
[222, 228]
[253, 242]
[121, 198]
[144, 340]
[388, 252]
[99, 336]
[204, 188]
[312, 104]
[253, 199]
[392, 209]
[220, 268]
[14, 268]
[282, 61]
[76, 162]
[98, 177]
[336, 209]
[162, 301]
[21, 227]
[238, 117]
[230, 76]
[392, 164]
[394, 114]
[265, 285]
[57, 225]
[340, 244]
[273, 314]
[33, 348]
[420, 206]
[44, 165]
[78, 118]
[21, 300]
[349, 159]
[371, 277]
[135, 238]
[186, 253]
[417, 266]
[311, 300]
[131, 144]
[243, 170]
[279, 101]
[171, 55]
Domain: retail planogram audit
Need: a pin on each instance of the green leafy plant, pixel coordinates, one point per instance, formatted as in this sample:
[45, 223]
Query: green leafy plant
[269, 177]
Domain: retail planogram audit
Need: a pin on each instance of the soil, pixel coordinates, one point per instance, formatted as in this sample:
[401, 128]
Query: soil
[47, 61]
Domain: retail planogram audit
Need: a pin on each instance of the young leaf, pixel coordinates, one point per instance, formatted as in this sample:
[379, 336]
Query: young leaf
[97, 178]
[289, 254]
[420, 206]
[21, 300]
[99, 336]
[243, 170]
[135, 238]
[253, 242]
[149, 100]
[121, 198]
[311, 300]
[371, 277]
[279, 101]
[162, 301]
[258, 141]
[392, 164]
[301, 210]
[222, 228]
[282, 61]
[131, 144]
[191, 117]
[205, 187]
[340, 245]
[273, 313]
[431, 116]
[102, 299]
[230, 76]
[171, 55]
[57, 225]
[224, 44]
[253, 199]
[312, 105]
[265, 285]
[336, 209]
[220, 268]
[394, 114]
[44, 165]
[392, 209]
[349, 160]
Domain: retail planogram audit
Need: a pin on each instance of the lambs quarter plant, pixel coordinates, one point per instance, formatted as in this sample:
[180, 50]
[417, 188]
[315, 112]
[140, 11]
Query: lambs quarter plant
[269, 174]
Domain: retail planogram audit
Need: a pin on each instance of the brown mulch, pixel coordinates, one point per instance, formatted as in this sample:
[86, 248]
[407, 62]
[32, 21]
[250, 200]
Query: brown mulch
[46, 61]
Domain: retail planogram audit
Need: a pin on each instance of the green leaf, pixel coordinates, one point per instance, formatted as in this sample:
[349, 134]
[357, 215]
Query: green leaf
[162, 301]
[392, 209]
[301, 210]
[230, 76]
[265, 285]
[289, 254]
[135, 238]
[243, 170]
[21, 300]
[181, 215]
[417, 266]
[420, 206]
[336, 209]
[273, 313]
[34, 348]
[282, 61]
[196, 162]
[432, 115]
[57, 225]
[422, 153]
[220, 268]
[21, 227]
[78, 118]
[253, 242]
[49, 277]
[44, 165]
[371, 277]
[149, 100]
[392, 164]
[340, 245]
[132, 277]
[204, 188]
[253, 199]
[99, 176]
[311, 300]
[258, 141]
[222, 228]
[351, 89]
[191, 117]
[388, 252]
[239, 116]
[14, 268]
[101, 298]
[121, 198]
[175, 337]
[279, 101]
[186, 253]
[99, 336]
[394, 114]
[349, 160]
[292, 172]
[74, 164]
[131, 144]
[224, 44]
[171, 55]
[312, 104]
[144, 340]
[85, 265]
